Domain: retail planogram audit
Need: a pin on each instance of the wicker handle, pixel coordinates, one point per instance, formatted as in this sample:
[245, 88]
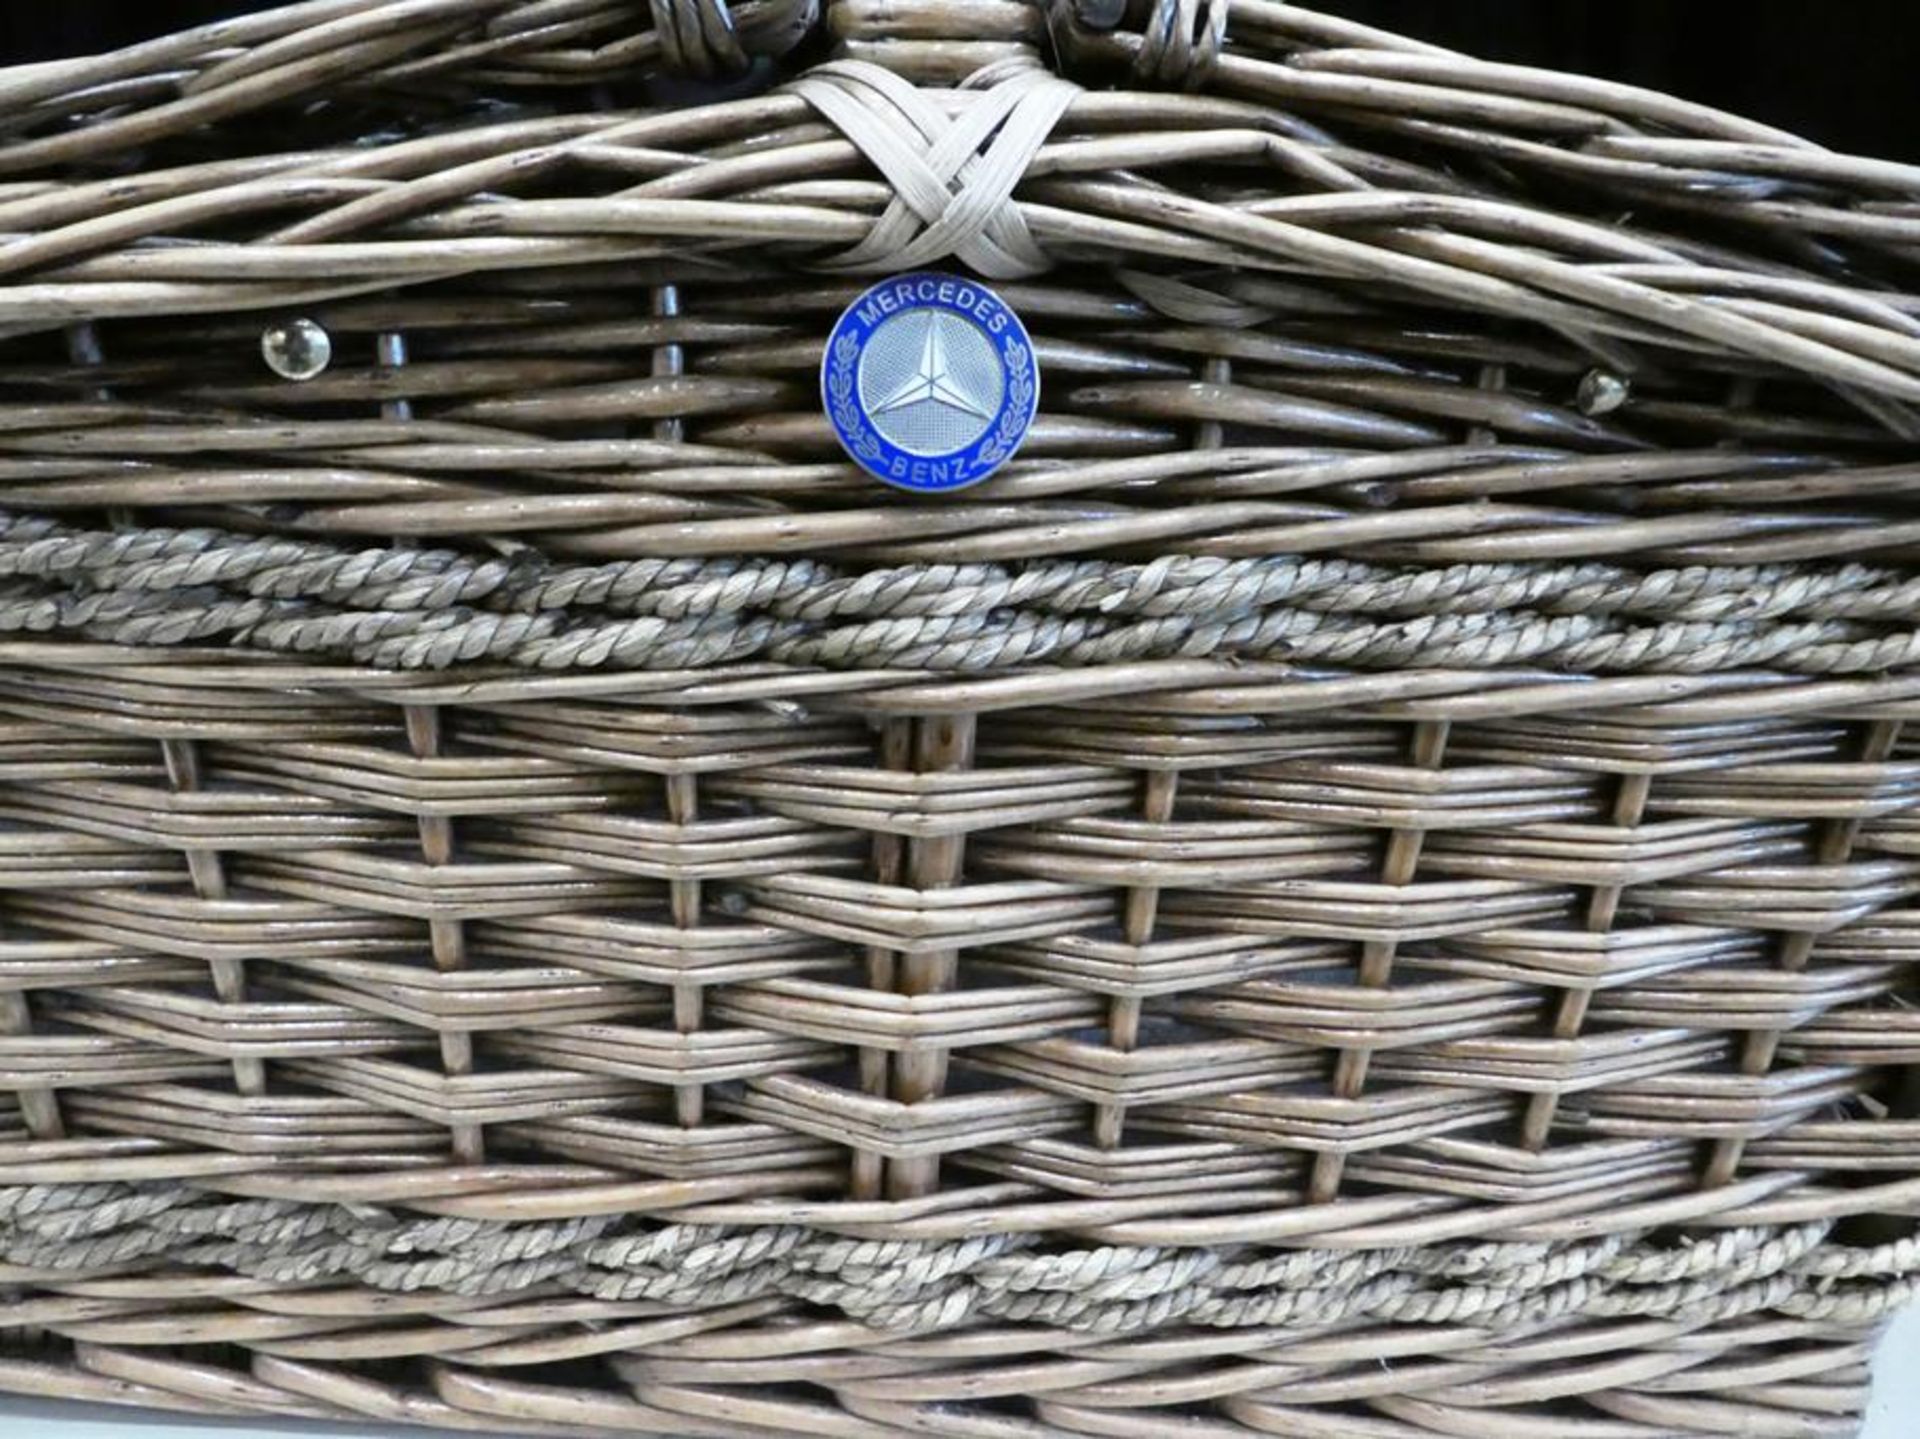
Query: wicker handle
[1160, 44]
[937, 42]
[706, 39]
[1156, 43]
[368, 62]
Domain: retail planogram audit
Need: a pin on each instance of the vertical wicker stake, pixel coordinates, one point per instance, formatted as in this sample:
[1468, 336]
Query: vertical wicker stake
[1140, 909]
[668, 359]
[683, 797]
[1140, 906]
[182, 760]
[209, 877]
[941, 742]
[447, 938]
[1397, 867]
[1211, 434]
[390, 353]
[1603, 906]
[83, 348]
[889, 863]
[683, 896]
[1833, 845]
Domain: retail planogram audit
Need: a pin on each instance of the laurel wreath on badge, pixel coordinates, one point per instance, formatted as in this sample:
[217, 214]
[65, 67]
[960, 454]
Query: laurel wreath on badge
[846, 412]
[841, 392]
[1013, 417]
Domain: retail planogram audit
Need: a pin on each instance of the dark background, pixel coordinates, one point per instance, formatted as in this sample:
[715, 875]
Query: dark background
[1842, 72]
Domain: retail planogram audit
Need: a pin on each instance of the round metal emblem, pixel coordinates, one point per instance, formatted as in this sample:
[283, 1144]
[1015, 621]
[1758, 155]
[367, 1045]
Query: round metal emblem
[930, 381]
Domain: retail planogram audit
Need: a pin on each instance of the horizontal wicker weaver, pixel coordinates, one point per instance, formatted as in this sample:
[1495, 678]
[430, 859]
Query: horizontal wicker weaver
[1364, 886]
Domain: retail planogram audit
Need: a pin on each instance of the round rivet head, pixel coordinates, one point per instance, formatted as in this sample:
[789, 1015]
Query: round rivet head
[1601, 392]
[296, 349]
[1100, 14]
[930, 381]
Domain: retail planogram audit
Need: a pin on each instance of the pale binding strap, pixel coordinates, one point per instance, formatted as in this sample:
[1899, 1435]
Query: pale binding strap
[953, 172]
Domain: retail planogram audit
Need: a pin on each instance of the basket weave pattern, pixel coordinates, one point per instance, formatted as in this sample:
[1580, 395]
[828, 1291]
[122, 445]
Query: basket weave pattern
[1363, 886]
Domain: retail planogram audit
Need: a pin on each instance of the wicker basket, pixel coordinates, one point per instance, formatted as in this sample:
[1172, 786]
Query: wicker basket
[1363, 886]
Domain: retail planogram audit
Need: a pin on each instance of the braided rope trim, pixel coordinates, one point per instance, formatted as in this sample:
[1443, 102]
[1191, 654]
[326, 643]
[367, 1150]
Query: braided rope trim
[81, 1230]
[430, 609]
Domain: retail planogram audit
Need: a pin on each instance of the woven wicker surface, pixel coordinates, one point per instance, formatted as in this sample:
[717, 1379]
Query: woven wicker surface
[1363, 886]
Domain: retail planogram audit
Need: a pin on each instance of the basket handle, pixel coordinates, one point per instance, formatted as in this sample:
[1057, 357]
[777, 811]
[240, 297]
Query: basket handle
[222, 72]
[937, 42]
[1160, 44]
[383, 53]
[709, 40]
[1155, 44]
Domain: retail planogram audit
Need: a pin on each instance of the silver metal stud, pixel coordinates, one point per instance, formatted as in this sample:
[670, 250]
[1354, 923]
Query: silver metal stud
[296, 349]
[1601, 392]
[1100, 14]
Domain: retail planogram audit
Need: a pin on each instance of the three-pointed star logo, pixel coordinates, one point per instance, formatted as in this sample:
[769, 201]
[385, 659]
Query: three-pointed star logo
[933, 381]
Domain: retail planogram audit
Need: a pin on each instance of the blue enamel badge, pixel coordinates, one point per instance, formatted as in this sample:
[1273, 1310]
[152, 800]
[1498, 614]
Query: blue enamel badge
[930, 381]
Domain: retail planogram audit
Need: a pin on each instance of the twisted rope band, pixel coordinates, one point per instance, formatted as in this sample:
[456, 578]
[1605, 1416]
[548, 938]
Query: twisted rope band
[427, 609]
[912, 1285]
[156, 560]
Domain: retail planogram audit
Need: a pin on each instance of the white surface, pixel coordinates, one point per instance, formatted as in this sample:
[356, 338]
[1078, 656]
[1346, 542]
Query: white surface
[1893, 1414]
